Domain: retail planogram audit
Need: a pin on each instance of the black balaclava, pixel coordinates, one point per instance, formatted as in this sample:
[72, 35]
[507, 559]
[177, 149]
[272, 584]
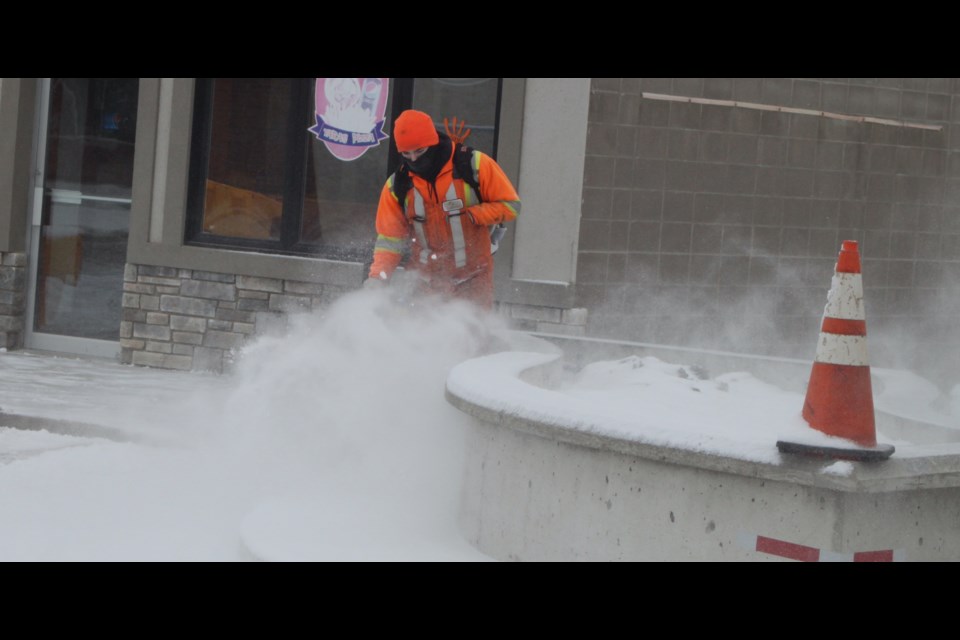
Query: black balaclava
[429, 164]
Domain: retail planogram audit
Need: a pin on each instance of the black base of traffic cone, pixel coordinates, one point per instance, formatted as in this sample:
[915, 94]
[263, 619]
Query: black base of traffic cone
[859, 454]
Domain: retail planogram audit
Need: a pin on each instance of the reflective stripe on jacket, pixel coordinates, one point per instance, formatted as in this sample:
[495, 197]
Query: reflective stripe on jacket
[447, 228]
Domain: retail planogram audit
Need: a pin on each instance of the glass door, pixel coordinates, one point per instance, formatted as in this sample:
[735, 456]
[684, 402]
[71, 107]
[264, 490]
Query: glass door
[81, 219]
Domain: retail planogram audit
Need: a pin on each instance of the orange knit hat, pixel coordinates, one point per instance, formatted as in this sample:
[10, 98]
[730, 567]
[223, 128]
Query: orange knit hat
[414, 130]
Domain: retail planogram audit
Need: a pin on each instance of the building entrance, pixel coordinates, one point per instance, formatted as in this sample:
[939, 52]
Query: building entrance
[81, 214]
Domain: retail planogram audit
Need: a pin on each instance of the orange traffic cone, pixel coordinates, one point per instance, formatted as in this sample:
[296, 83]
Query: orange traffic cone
[839, 398]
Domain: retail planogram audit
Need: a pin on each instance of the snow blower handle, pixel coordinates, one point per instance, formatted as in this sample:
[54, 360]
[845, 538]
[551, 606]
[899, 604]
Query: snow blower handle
[497, 232]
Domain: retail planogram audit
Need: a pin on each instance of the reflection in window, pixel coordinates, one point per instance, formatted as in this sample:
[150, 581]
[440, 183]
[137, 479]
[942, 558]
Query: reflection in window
[245, 175]
[85, 217]
[473, 100]
[92, 124]
[340, 199]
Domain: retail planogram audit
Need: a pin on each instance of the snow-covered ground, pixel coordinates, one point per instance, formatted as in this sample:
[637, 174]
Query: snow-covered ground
[333, 442]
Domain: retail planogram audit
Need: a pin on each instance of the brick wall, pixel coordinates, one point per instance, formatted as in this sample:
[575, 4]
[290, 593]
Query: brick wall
[704, 224]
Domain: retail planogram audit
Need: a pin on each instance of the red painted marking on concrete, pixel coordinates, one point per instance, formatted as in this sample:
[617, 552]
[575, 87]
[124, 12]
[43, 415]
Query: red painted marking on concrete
[874, 556]
[787, 549]
[803, 553]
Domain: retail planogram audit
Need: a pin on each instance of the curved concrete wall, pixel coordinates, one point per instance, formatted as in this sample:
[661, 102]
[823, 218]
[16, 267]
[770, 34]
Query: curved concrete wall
[537, 491]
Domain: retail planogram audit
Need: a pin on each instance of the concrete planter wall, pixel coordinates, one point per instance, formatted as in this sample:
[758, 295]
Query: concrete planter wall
[535, 491]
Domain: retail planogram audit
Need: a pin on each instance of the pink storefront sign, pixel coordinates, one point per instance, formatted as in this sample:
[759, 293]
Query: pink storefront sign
[350, 114]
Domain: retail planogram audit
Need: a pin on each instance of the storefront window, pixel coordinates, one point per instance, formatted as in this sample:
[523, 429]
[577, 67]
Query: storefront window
[471, 100]
[245, 170]
[341, 196]
[263, 178]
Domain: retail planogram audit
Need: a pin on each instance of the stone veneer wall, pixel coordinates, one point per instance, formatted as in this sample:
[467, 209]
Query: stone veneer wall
[196, 320]
[13, 287]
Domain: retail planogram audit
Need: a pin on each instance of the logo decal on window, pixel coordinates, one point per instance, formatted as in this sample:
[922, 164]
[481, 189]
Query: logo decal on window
[350, 114]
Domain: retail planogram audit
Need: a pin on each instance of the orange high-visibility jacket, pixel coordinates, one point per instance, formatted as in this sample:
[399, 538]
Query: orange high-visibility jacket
[447, 229]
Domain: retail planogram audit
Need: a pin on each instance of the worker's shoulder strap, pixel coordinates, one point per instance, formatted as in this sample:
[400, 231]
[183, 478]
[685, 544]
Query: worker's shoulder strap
[400, 183]
[465, 167]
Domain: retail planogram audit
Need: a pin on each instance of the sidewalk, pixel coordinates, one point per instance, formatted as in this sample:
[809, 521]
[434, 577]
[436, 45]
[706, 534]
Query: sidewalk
[76, 395]
[290, 459]
[107, 462]
[330, 442]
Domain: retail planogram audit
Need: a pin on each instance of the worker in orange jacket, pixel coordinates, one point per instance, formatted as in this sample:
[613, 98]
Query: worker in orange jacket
[442, 221]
